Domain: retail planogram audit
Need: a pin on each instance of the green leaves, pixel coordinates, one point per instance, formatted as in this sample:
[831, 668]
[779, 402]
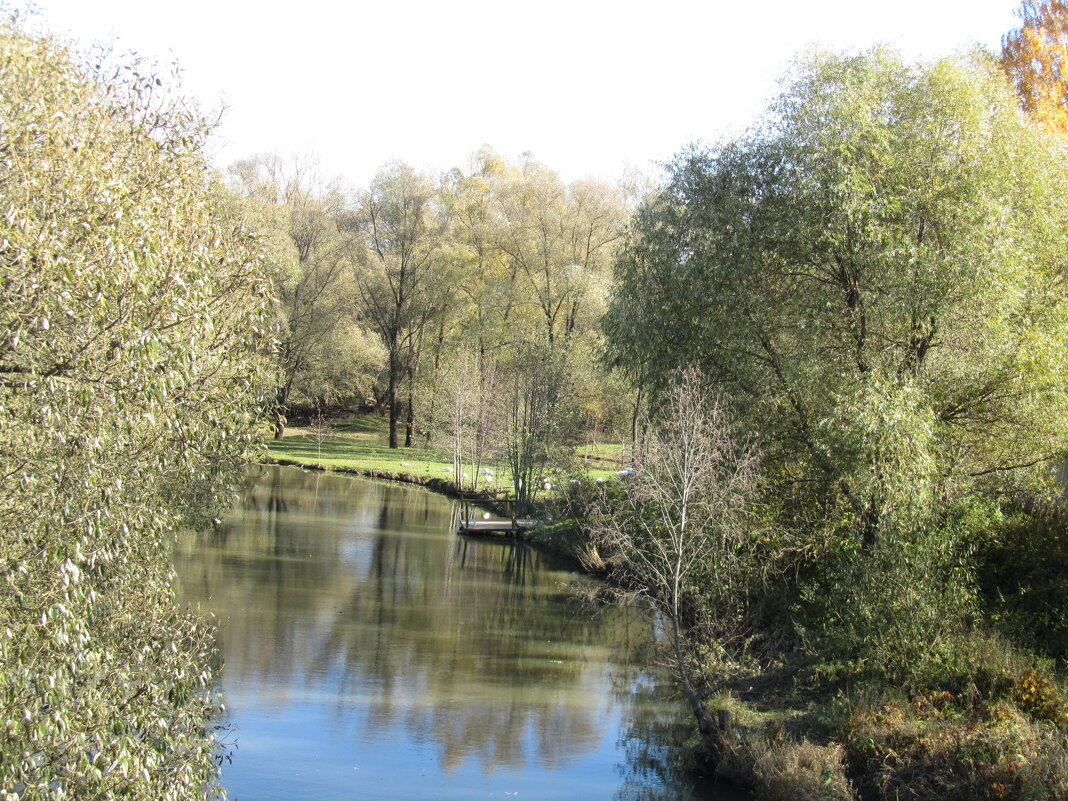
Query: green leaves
[874, 278]
[890, 223]
[128, 383]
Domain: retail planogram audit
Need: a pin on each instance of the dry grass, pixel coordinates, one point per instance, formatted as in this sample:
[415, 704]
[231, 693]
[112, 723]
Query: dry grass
[930, 747]
[801, 771]
[780, 768]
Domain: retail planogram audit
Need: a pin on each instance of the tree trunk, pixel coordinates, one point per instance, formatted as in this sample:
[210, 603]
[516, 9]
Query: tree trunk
[707, 725]
[636, 416]
[409, 414]
[391, 394]
[280, 421]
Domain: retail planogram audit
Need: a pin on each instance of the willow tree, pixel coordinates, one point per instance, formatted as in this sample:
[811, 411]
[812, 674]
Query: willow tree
[133, 312]
[875, 279]
[560, 241]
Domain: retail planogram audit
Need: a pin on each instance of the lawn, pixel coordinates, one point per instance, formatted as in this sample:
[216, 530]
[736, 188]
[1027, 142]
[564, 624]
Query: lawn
[359, 444]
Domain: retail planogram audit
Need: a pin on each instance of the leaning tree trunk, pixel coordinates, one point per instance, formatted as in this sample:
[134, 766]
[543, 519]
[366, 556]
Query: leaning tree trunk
[711, 728]
[280, 421]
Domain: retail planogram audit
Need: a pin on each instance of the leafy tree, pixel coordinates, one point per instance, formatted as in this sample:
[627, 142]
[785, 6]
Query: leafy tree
[133, 315]
[561, 240]
[1034, 56]
[531, 259]
[322, 351]
[874, 278]
[401, 228]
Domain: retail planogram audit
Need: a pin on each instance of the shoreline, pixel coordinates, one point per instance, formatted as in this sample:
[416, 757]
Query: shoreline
[801, 730]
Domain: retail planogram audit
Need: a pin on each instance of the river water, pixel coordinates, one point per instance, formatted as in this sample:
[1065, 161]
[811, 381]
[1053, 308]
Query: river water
[368, 652]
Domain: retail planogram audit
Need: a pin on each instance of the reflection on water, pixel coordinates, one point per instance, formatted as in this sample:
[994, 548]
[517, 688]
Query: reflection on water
[369, 652]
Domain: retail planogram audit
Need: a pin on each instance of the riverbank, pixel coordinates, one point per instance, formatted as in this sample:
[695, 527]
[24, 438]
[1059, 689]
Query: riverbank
[358, 447]
[989, 722]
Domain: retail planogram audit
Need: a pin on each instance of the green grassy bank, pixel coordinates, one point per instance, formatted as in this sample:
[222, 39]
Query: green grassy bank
[358, 446]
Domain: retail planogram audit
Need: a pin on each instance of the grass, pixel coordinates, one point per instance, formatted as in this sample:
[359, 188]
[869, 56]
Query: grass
[992, 727]
[357, 454]
[359, 445]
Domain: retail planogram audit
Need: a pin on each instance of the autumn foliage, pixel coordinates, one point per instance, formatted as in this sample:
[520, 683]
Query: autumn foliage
[1034, 57]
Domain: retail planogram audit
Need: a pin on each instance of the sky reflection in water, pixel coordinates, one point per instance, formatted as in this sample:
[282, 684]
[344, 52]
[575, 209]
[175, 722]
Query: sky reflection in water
[369, 652]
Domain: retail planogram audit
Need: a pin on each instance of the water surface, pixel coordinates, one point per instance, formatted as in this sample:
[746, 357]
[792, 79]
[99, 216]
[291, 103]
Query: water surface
[370, 653]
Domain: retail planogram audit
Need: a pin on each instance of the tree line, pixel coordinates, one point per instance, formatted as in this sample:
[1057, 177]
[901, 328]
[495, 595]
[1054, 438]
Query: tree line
[466, 307]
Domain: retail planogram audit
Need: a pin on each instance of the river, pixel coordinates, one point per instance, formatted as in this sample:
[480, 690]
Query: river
[368, 652]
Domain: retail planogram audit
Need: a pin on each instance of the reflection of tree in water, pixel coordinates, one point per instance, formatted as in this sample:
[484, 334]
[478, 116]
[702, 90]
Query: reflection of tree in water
[482, 657]
[254, 571]
[361, 590]
[656, 768]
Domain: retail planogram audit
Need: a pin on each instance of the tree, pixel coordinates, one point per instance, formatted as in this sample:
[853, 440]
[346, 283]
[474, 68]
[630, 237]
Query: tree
[472, 413]
[135, 321]
[681, 533]
[875, 280]
[313, 279]
[530, 258]
[399, 223]
[1034, 56]
[889, 242]
[537, 419]
[561, 241]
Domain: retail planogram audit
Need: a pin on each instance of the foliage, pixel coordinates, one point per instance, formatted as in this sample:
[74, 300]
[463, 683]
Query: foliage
[928, 745]
[1021, 571]
[133, 315]
[526, 266]
[324, 354]
[874, 280]
[1034, 56]
[400, 228]
[538, 423]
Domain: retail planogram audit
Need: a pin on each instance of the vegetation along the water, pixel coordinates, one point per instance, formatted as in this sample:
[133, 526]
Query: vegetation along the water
[806, 396]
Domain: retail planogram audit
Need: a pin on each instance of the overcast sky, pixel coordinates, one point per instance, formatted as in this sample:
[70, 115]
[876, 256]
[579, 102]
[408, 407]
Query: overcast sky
[589, 86]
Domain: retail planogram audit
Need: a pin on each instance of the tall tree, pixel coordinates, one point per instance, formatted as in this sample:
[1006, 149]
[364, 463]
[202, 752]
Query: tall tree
[561, 240]
[135, 319]
[876, 279]
[1035, 57]
[399, 221]
[313, 278]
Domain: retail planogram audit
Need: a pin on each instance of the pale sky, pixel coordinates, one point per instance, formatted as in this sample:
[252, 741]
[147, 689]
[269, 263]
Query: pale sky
[591, 87]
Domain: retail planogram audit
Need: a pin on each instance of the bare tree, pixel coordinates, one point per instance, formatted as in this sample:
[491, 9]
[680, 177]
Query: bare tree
[680, 534]
[537, 424]
[471, 417]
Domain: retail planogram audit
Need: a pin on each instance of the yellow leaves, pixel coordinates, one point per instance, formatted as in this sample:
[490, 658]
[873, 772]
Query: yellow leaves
[1035, 56]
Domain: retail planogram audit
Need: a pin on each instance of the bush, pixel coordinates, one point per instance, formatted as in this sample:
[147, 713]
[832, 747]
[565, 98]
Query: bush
[1021, 573]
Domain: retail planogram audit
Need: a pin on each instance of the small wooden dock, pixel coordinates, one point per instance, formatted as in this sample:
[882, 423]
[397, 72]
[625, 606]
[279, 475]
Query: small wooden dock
[497, 525]
[474, 521]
